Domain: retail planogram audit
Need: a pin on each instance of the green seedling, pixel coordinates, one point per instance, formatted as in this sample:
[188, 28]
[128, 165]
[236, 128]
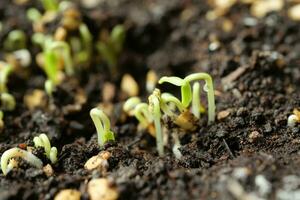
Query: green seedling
[33, 14]
[50, 5]
[187, 93]
[15, 40]
[8, 102]
[166, 99]
[141, 112]
[130, 105]
[87, 39]
[16, 152]
[102, 125]
[43, 141]
[111, 48]
[186, 90]
[209, 88]
[5, 71]
[154, 108]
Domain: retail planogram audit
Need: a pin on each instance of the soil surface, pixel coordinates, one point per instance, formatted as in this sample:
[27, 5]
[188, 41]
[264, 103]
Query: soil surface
[248, 153]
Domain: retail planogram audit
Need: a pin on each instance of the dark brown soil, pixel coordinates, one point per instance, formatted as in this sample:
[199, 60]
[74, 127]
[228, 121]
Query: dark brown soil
[215, 157]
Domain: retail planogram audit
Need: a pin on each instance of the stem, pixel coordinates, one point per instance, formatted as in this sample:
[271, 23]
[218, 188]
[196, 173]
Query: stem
[154, 107]
[16, 152]
[196, 100]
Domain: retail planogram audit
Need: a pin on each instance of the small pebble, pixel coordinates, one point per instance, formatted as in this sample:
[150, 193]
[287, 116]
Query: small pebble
[223, 114]
[68, 194]
[253, 136]
[101, 189]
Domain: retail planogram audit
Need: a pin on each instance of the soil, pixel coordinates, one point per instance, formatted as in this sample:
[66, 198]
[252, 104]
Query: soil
[256, 75]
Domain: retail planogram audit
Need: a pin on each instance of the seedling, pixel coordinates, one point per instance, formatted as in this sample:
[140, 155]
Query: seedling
[5, 71]
[87, 40]
[8, 102]
[43, 141]
[166, 99]
[141, 112]
[176, 146]
[209, 88]
[110, 48]
[50, 5]
[16, 39]
[186, 91]
[102, 125]
[130, 105]
[16, 152]
[33, 14]
[154, 108]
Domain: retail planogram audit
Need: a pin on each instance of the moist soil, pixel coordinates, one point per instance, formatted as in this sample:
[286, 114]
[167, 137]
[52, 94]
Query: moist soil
[256, 76]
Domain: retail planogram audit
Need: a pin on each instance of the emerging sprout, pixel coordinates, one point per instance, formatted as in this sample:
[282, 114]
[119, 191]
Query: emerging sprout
[167, 98]
[186, 90]
[8, 102]
[33, 14]
[16, 152]
[43, 141]
[102, 125]
[154, 108]
[209, 88]
[50, 5]
[5, 71]
[87, 39]
[16, 39]
[141, 112]
[176, 146]
[187, 94]
[130, 105]
[110, 48]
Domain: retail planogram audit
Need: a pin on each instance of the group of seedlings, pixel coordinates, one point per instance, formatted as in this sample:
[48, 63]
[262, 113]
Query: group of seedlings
[62, 55]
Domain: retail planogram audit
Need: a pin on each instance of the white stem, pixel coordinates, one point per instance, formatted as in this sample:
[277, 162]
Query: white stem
[16, 152]
[196, 100]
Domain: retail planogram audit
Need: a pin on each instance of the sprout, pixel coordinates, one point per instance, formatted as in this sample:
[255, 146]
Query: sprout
[209, 88]
[52, 58]
[5, 71]
[187, 94]
[130, 105]
[16, 152]
[154, 108]
[33, 14]
[16, 39]
[102, 125]
[141, 112]
[186, 91]
[8, 102]
[176, 146]
[87, 39]
[50, 5]
[111, 48]
[167, 98]
[43, 141]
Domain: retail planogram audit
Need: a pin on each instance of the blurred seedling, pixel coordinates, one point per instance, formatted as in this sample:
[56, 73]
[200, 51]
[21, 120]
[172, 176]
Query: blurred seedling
[102, 125]
[43, 141]
[7, 162]
[110, 47]
[15, 40]
[50, 5]
[7, 100]
[1, 121]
